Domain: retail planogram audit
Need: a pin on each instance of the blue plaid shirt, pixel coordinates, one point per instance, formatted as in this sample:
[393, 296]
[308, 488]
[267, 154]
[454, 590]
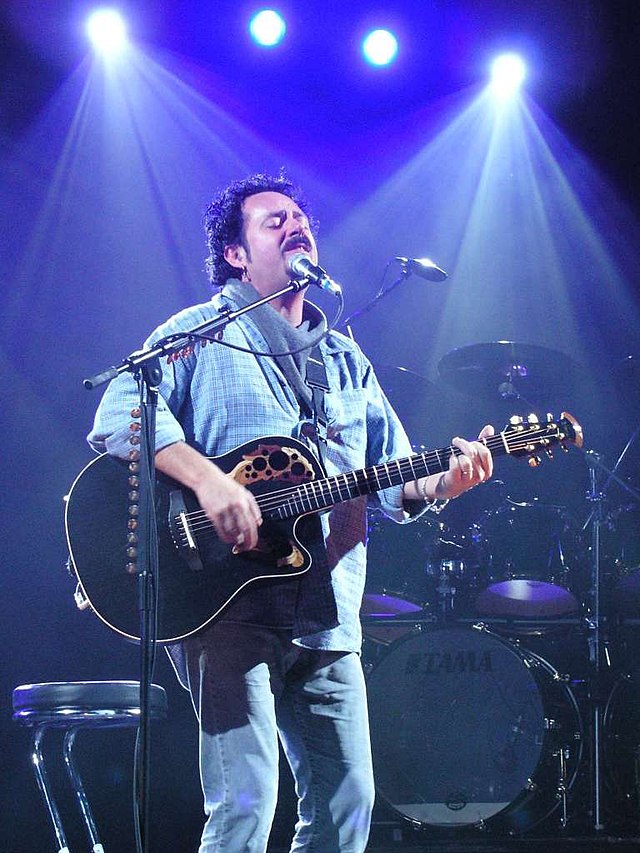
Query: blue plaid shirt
[216, 398]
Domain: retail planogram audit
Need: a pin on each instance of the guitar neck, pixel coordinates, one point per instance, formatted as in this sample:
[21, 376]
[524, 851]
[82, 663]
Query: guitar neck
[324, 493]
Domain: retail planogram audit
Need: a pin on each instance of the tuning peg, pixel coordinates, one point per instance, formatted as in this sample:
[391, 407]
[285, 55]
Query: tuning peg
[534, 461]
[515, 420]
[564, 448]
[533, 418]
[549, 453]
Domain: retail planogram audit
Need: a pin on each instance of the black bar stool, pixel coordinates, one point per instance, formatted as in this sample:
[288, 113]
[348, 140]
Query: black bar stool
[75, 705]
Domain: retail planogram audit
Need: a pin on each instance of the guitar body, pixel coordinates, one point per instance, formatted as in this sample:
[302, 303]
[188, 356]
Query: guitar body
[192, 590]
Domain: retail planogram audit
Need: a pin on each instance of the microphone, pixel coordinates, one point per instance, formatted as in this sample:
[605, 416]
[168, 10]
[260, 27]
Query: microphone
[301, 266]
[424, 267]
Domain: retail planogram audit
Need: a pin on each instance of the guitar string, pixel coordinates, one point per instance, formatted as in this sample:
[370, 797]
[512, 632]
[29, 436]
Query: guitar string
[313, 491]
[273, 499]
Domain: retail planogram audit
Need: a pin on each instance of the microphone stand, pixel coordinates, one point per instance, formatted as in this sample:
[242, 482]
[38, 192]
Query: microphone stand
[145, 366]
[145, 552]
[404, 274]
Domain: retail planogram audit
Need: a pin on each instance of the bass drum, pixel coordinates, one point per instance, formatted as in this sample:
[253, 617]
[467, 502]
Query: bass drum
[467, 728]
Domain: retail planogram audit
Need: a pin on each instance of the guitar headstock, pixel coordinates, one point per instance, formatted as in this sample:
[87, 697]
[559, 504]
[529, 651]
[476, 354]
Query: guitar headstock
[528, 436]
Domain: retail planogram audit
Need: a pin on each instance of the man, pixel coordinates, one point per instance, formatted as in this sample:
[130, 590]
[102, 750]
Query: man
[282, 660]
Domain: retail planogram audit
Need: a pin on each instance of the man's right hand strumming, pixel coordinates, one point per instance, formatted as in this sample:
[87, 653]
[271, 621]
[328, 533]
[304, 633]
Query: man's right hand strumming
[230, 507]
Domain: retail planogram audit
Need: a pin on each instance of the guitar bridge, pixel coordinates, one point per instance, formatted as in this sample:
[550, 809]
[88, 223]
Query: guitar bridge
[191, 542]
[181, 532]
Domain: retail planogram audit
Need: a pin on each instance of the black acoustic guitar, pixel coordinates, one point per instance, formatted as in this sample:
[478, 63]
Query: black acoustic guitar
[198, 574]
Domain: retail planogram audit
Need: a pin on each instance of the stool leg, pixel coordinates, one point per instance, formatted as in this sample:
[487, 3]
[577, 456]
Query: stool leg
[37, 759]
[78, 788]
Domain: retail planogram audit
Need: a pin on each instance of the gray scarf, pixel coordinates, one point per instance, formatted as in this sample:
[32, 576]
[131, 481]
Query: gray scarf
[281, 336]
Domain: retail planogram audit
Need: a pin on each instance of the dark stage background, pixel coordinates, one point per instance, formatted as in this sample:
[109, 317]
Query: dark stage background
[532, 208]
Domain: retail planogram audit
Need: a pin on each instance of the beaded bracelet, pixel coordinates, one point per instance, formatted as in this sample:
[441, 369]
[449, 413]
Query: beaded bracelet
[433, 504]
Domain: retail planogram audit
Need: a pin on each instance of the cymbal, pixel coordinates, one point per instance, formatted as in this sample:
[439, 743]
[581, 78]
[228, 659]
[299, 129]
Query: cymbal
[507, 370]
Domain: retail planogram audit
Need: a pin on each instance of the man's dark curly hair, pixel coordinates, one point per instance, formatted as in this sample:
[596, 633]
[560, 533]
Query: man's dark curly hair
[224, 225]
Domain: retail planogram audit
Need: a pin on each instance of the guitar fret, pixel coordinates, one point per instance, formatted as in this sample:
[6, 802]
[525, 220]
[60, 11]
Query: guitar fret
[319, 488]
[355, 490]
[339, 479]
[316, 491]
[344, 484]
[303, 496]
[326, 490]
[292, 506]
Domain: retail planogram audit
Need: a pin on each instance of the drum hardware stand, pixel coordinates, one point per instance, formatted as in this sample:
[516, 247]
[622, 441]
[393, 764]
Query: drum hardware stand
[593, 622]
[562, 755]
[636, 775]
[446, 591]
[598, 645]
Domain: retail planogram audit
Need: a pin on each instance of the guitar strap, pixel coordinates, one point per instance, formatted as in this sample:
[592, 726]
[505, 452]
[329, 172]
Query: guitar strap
[316, 379]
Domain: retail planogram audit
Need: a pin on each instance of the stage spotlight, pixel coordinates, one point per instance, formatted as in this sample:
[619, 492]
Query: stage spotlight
[107, 31]
[380, 47]
[507, 74]
[267, 28]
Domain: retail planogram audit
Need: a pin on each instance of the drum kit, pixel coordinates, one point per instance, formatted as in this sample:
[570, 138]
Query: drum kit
[504, 690]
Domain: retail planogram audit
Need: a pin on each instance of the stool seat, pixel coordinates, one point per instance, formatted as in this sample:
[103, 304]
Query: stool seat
[85, 703]
[72, 706]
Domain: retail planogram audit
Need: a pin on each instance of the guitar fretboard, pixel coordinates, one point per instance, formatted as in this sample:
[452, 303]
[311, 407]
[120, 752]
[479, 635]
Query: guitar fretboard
[321, 494]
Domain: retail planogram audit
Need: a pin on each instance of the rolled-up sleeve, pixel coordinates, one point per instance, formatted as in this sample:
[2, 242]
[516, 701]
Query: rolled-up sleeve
[111, 430]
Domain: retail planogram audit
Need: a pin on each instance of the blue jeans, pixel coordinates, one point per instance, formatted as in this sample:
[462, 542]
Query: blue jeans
[251, 686]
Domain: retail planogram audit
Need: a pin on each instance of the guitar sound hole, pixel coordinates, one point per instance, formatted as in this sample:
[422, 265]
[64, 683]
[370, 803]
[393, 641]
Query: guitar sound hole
[279, 460]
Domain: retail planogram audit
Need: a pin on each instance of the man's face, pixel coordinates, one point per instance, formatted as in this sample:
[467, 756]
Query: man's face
[274, 229]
